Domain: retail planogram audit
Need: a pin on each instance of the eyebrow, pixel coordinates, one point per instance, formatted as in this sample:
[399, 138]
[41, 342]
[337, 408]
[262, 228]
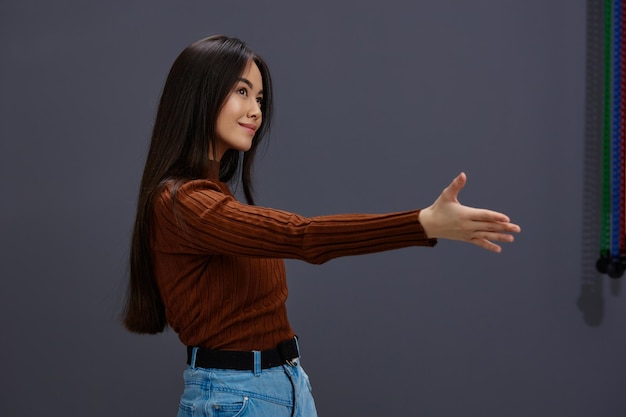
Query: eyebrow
[246, 81]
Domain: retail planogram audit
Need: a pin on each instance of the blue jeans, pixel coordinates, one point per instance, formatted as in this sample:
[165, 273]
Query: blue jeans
[282, 391]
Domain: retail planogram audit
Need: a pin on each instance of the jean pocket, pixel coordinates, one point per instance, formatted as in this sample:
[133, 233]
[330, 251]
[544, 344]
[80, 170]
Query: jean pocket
[229, 406]
[185, 410]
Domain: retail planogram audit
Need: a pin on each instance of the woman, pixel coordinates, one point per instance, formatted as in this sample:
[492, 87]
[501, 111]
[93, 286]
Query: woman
[211, 268]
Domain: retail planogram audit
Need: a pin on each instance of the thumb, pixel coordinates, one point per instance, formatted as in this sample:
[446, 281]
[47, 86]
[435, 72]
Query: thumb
[455, 187]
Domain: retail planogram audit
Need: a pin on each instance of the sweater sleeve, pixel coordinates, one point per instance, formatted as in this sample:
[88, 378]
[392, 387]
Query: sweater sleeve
[204, 219]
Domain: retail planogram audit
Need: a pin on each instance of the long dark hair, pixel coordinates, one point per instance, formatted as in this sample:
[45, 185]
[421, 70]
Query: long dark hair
[196, 88]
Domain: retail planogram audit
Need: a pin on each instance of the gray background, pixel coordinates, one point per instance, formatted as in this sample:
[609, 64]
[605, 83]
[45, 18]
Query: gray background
[379, 106]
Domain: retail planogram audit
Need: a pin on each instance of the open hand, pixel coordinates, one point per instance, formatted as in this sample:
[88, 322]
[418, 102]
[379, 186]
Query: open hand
[447, 218]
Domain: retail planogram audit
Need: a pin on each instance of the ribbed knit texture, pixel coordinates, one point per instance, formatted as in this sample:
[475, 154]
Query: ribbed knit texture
[219, 263]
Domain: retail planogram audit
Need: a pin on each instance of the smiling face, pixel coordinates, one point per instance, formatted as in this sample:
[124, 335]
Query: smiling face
[240, 116]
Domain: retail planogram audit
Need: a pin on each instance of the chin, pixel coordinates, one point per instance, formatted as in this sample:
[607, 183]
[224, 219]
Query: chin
[245, 148]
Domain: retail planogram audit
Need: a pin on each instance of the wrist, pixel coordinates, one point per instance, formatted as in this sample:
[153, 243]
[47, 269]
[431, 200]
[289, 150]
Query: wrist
[425, 219]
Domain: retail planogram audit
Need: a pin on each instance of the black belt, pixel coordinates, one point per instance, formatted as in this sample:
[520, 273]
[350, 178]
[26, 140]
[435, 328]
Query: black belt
[284, 353]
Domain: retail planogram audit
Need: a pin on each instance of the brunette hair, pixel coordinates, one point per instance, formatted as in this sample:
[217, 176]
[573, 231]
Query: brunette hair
[196, 88]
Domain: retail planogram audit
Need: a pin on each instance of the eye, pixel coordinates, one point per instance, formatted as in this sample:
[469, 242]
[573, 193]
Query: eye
[259, 101]
[243, 91]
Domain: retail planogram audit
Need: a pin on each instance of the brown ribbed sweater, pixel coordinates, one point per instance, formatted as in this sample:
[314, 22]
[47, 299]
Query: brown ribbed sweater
[219, 263]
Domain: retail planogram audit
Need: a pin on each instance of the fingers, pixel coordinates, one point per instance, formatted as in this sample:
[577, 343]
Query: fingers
[488, 220]
[486, 233]
[502, 227]
[485, 244]
[485, 215]
[491, 236]
[492, 216]
[485, 240]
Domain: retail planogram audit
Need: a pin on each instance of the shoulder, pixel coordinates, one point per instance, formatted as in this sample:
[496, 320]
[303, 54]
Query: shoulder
[192, 192]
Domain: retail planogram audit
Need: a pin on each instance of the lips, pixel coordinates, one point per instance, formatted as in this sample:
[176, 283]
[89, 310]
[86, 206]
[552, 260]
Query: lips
[248, 126]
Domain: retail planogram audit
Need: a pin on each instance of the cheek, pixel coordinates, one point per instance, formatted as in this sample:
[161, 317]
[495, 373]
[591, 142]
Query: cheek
[230, 109]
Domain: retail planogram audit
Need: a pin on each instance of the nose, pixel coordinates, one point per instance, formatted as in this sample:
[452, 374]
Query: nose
[254, 111]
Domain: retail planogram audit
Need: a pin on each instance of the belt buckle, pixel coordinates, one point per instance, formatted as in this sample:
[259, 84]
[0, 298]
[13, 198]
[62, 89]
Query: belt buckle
[285, 351]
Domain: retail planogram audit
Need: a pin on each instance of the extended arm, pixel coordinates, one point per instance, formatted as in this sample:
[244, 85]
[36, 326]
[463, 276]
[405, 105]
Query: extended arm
[205, 220]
